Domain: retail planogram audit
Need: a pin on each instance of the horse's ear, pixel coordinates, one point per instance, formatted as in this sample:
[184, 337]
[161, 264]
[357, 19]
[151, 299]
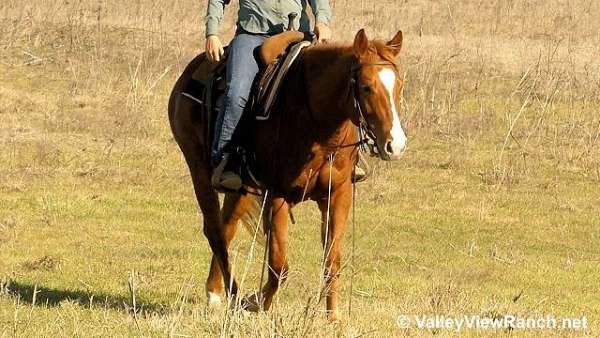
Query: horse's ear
[361, 43]
[395, 44]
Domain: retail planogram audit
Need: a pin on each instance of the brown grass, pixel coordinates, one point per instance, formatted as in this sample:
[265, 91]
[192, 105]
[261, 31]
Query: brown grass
[493, 211]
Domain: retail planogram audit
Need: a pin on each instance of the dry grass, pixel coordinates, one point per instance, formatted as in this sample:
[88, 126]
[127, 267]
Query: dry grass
[493, 211]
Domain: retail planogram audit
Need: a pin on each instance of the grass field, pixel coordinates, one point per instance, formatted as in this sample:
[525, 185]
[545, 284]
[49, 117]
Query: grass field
[493, 211]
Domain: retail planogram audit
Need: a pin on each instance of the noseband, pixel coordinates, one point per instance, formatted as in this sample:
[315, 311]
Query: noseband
[365, 131]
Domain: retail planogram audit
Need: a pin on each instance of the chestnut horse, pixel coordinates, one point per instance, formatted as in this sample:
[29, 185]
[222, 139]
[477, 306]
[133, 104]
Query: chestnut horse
[306, 150]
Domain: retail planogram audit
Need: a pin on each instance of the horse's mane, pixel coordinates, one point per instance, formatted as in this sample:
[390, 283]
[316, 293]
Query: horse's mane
[327, 53]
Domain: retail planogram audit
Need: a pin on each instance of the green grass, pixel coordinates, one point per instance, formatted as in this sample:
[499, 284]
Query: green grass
[94, 192]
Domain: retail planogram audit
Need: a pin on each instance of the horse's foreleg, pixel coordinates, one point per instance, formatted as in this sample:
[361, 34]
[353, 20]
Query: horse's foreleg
[332, 232]
[234, 207]
[277, 227]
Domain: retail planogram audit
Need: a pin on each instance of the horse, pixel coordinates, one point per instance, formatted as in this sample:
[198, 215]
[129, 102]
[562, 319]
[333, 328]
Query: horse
[306, 150]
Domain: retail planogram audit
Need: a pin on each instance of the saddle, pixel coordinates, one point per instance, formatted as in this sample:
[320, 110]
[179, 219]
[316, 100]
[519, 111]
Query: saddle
[278, 54]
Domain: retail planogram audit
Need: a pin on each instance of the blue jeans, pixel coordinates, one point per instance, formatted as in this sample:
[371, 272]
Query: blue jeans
[242, 67]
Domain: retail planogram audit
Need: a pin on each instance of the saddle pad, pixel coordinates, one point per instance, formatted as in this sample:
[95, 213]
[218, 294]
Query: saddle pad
[195, 90]
[206, 84]
[272, 88]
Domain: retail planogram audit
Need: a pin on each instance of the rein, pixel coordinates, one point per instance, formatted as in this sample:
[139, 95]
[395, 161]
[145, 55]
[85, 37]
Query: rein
[365, 134]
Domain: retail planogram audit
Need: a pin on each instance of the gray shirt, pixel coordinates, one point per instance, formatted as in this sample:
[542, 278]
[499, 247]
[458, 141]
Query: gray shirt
[267, 16]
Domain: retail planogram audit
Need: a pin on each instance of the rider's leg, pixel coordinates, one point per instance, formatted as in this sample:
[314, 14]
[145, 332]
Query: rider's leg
[242, 67]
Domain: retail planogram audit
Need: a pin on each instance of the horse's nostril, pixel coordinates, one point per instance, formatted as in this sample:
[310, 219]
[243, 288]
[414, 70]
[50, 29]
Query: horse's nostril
[388, 148]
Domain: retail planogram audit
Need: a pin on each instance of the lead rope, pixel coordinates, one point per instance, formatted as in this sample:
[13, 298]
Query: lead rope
[260, 297]
[254, 239]
[323, 279]
[363, 132]
[353, 250]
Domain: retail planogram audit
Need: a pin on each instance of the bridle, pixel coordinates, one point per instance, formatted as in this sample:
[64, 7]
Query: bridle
[366, 135]
[365, 131]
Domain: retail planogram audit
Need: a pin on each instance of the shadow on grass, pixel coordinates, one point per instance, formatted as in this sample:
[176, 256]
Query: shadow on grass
[53, 297]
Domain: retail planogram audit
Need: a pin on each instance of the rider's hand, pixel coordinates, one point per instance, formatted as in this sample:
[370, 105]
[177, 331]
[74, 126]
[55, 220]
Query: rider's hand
[214, 48]
[323, 32]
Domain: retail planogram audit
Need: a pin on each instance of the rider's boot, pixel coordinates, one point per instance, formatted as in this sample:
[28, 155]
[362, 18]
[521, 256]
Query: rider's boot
[223, 178]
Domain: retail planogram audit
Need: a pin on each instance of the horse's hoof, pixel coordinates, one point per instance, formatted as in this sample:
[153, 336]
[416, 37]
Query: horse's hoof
[333, 316]
[213, 300]
[251, 303]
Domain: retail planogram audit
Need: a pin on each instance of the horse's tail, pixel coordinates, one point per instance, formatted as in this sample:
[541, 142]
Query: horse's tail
[252, 218]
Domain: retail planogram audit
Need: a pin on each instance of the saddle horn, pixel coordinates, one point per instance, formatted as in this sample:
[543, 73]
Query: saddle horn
[291, 18]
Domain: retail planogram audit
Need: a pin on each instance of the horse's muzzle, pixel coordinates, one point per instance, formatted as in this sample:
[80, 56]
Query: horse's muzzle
[391, 150]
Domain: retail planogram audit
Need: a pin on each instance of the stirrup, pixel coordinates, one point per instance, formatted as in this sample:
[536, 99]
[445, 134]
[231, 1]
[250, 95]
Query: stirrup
[362, 171]
[223, 180]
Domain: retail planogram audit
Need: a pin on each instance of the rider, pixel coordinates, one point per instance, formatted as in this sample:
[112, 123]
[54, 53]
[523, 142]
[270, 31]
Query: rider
[257, 20]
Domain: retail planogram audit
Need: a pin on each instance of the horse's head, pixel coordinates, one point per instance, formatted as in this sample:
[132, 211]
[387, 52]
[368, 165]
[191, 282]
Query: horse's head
[377, 89]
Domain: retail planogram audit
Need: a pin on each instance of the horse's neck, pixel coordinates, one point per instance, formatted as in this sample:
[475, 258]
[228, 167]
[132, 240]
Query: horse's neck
[327, 75]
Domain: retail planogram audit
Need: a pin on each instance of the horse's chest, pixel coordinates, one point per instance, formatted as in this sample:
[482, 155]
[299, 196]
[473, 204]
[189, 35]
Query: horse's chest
[321, 176]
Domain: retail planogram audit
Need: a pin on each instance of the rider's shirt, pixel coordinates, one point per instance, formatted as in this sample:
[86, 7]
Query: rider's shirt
[268, 16]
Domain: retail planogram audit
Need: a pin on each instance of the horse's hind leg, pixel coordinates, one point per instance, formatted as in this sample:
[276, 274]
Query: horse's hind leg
[188, 132]
[234, 207]
[213, 230]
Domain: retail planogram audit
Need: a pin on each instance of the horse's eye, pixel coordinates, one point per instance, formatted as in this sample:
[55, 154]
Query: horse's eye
[366, 89]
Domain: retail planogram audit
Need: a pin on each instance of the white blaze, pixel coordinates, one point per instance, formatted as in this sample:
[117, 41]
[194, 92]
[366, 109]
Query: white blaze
[388, 78]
